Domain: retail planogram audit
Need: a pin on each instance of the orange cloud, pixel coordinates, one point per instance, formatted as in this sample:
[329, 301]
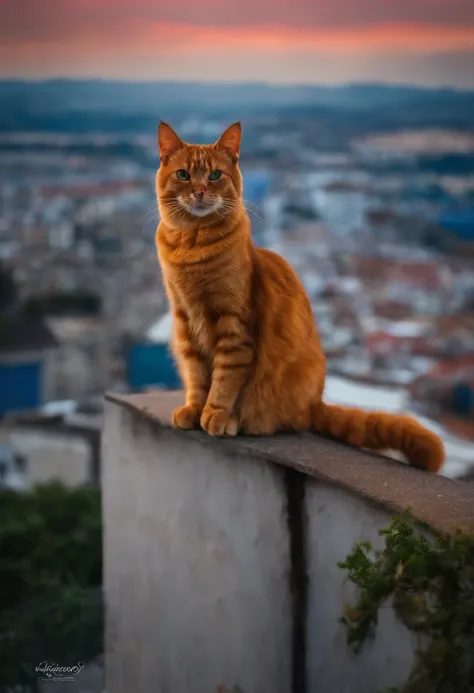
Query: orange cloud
[139, 47]
[158, 38]
[414, 38]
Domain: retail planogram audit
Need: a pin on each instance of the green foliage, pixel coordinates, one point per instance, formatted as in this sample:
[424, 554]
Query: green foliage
[50, 580]
[431, 584]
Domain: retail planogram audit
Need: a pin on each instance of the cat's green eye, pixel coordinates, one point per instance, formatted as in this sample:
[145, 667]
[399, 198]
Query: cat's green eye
[215, 175]
[182, 174]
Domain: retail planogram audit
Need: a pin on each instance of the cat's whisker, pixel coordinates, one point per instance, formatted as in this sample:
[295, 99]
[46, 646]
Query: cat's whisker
[175, 209]
[251, 204]
[253, 215]
[232, 206]
[150, 215]
[151, 220]
[252, 209]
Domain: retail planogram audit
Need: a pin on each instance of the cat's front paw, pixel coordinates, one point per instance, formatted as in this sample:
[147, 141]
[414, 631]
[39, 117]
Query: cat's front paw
[217, 422]
[186, 417]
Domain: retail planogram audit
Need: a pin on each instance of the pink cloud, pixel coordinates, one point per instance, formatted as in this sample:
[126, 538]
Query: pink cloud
[31, 19]
[235, 39]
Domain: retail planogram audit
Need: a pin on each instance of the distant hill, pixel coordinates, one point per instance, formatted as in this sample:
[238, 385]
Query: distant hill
[95, 105]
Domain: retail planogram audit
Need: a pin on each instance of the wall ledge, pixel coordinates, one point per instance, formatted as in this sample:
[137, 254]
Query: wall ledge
[445, 505]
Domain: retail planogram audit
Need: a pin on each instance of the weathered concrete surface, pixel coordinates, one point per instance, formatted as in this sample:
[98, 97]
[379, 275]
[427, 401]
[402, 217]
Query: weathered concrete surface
[445, 504]
[336, 521]
[221, 556]
[196, 565]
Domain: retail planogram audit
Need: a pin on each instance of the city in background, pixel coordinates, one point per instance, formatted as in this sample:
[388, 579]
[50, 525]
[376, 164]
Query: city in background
[358, 164]
[367, 190]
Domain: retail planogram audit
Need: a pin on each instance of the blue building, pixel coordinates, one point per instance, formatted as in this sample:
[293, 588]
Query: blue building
[150, 363]
[26, 347]
[459, 223]
[151, 366]
[463, 399]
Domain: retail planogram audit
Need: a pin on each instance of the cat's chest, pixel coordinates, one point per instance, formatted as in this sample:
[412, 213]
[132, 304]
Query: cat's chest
[204, 294]
[202, 301]
[202, 330]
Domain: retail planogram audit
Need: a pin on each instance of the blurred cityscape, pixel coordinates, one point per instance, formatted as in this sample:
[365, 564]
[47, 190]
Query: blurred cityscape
[368, 191]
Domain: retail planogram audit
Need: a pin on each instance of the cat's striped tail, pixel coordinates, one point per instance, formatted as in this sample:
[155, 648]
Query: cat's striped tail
[380, 431]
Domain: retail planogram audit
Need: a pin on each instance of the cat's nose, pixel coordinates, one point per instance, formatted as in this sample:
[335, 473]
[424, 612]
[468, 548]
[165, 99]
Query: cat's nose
[198, 194]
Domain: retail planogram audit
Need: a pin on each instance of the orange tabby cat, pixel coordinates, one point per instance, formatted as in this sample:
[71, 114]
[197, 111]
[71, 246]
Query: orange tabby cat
[244, 335]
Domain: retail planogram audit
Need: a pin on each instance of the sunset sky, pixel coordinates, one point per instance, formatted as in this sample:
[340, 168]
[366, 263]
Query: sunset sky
[308, 41]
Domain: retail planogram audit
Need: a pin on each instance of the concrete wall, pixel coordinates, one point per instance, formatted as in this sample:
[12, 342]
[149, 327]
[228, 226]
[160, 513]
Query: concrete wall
[337, 520]
[196, 566]
[221, 571]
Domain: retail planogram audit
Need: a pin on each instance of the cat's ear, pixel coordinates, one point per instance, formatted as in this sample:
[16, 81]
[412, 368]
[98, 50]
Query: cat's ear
[229, 141]
[168, 142]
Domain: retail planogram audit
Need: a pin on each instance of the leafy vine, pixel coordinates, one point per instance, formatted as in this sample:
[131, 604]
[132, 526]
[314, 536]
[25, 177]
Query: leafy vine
[430, 581]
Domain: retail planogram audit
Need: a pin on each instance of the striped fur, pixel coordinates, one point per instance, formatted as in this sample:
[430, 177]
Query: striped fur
[244, 336]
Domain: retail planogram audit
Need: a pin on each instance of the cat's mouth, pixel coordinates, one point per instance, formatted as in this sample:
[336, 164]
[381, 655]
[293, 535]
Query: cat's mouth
[202, 209]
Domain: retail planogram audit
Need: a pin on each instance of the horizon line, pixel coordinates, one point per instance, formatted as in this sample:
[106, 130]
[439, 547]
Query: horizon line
[220, 83]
